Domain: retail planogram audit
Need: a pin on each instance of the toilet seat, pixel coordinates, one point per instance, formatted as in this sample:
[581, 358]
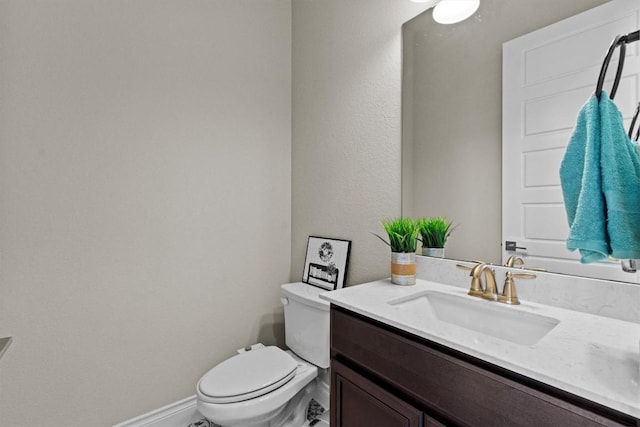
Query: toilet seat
[261, 410]
[248, 375]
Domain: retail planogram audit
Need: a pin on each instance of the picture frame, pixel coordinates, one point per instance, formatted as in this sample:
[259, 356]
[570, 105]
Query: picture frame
[326, 262]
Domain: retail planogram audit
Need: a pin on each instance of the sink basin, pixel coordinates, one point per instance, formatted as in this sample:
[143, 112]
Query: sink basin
[485, 317]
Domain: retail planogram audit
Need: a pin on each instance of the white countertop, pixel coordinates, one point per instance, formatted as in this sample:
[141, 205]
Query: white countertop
[595, 357]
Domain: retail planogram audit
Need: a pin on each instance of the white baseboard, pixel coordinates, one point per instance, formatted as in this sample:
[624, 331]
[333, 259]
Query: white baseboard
[180, 413]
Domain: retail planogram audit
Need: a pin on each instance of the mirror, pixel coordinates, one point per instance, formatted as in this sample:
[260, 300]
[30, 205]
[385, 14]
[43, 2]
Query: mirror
[452, 117]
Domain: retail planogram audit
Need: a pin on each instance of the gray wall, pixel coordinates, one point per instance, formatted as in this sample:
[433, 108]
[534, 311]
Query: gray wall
[145, 170]
[453, 117]
[346, 126]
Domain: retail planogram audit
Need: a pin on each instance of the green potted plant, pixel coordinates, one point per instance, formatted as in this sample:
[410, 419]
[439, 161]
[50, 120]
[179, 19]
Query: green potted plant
[434, 233]
[403, 238]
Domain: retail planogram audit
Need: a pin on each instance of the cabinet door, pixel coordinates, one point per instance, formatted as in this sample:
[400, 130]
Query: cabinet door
[356, 401]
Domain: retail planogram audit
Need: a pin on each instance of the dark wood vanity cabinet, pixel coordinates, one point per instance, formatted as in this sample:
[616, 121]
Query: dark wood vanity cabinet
[385, 377]
[363, 403]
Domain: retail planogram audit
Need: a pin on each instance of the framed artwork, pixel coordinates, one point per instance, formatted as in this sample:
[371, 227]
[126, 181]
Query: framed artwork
[325, 265]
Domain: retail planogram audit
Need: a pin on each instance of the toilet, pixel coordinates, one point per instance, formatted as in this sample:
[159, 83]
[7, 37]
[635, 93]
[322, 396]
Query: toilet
[265, 386]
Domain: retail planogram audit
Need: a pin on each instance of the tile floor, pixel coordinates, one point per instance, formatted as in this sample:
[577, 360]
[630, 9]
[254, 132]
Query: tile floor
[314, 411]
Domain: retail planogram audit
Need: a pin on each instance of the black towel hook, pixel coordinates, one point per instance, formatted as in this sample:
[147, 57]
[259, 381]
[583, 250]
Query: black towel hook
[618, 41]
[633, 123]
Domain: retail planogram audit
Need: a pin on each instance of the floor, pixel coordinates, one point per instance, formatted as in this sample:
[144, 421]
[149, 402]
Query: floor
[314, 416]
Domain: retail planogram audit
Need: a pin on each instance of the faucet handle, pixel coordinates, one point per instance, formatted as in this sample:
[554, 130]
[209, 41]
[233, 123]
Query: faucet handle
[514, 261]
[523, 275]
[464, 267]
[509, 291]
[475, 289]
[468, 268]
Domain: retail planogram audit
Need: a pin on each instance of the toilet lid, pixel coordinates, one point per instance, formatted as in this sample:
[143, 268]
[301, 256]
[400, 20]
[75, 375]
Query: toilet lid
[248, 375]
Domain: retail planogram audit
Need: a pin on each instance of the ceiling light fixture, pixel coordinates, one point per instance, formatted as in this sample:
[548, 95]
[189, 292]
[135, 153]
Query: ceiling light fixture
[453, 11]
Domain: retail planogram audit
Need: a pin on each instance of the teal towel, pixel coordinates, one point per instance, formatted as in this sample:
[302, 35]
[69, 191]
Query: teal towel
[620, 165]
[582, 187]
[600, 178]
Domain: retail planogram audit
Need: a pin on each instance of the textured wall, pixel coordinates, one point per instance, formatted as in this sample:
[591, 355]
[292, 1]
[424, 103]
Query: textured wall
[346, 126]
[144, 195]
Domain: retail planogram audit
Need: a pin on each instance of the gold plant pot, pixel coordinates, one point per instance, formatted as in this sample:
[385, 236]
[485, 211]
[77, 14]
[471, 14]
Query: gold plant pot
[403, 268]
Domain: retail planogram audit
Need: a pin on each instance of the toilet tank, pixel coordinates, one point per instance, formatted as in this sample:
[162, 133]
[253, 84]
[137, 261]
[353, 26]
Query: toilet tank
[306, 322]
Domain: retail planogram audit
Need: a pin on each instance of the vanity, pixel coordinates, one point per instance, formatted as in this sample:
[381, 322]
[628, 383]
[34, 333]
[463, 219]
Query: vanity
[430, 355]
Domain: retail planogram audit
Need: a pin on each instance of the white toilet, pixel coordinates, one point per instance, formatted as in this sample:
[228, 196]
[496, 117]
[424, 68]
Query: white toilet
[270, 387]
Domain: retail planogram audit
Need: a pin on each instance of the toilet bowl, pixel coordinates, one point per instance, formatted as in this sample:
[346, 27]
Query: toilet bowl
[274, 391]
[270, 387]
